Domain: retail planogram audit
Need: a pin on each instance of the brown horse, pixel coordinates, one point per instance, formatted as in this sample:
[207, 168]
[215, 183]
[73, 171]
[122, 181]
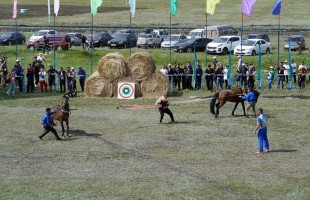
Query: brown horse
[62, 114]
[228, 95]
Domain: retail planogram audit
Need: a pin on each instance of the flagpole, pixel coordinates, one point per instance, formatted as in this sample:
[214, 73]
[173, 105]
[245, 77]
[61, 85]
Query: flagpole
[16, 38]
[170, 40]
[130, 33]
[91, 43]
[278, 40]
[55, 47]
[241, 36]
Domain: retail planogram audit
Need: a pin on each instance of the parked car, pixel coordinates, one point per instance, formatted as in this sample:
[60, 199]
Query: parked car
[161, 33]
[196, 33]
[124, 31]
[188, 45]
[76, 39]
[147, 30]
[100, 39]
[295, 41]
[250, 47]
[10, 38]
[148, 40]
[223, 44]
[39, 34]
[263, 36]
[62, 42]
[174, 39]
[123, 40]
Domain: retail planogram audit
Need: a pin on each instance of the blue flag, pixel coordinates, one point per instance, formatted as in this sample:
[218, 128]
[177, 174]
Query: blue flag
[277, 8]
[259, 75]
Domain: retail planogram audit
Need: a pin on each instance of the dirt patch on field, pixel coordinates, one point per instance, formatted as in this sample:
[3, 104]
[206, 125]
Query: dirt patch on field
[41, 11]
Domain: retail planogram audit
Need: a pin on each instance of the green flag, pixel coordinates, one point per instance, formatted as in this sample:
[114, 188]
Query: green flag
[174, 7]
[94, 5]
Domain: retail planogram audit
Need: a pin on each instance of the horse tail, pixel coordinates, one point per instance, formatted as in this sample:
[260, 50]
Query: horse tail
[256, 93]
[213, 101]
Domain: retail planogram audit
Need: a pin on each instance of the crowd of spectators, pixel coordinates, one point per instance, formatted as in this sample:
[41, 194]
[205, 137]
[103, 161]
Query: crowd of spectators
[37, 77]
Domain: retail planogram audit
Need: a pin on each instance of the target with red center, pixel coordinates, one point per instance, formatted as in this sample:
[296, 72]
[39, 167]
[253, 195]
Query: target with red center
[126, 90]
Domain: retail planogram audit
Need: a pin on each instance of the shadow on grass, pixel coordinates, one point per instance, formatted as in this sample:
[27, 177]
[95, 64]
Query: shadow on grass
[78, 132]
[282, 151]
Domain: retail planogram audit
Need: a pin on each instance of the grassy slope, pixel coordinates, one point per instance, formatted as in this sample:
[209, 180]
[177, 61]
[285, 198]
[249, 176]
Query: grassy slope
[191, 14]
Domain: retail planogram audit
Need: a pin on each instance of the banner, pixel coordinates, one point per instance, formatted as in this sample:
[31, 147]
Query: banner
[49, 11]
[211, 6]
[132, 4]
[247, 6]
[94, 4]
[277, 8]
[174, 7]
[14, 10]
[56, 7]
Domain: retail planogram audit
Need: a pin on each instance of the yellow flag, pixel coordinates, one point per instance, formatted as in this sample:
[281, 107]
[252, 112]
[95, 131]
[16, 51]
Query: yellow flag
[211, 6]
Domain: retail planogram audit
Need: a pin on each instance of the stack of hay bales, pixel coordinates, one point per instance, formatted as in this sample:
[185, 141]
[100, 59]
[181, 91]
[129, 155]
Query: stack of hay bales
[139, 69]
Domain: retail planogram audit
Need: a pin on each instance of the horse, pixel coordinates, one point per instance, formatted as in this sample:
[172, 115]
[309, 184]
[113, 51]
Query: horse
[228, 95]
[62, 114]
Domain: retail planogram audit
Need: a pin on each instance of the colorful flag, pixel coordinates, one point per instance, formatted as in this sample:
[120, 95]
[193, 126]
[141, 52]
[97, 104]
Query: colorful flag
[49, 11]
[56, 7]
[174, 7]
[247, 6]
[277, 8]
[259, 75]
[94, 6]
[132, 4]
[211, 6]
[15, 9]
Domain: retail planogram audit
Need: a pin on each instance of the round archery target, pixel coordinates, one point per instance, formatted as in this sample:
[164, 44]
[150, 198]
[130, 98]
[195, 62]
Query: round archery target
[126, 90]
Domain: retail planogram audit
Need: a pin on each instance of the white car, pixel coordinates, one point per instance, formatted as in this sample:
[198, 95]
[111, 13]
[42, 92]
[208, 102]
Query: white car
[166, 44]
[149, 40]
[223, 44]
[39, 34]
[250, 47]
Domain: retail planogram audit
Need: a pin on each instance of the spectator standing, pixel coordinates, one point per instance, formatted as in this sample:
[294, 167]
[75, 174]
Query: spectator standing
[82, 76]
[19, 73]
[37, 68]
[68, 74]
[51, 77]
[4, 71]
[237, 77]
[225, 71]
[189, 77]
[302, 74]
[73, 76]
[286, 71]
[62, 79]
[294, 67]
[261, 126]
[270, 78]
[42, 79]
[83, 38]
[251, 76]
[214, 62]
[239, 67]
[219, 77]
[40, 58]
[30, 78]
[280, 76]
[244, 71]
[178, 72]
[183, 75]
[209, 77]
[164, 70]
[199, 74]
[12, 83]
[46, 44]
[170, 73]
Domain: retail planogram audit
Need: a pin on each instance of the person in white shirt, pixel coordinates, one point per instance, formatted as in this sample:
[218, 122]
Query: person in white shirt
[40, 58]
[164, 70]
[286, 71]
[294, 66]
[42, 79]
[225, 71]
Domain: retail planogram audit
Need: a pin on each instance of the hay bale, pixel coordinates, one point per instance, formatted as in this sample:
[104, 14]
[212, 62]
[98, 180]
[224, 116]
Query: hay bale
[98, 86]
[113, 66]
[155, 85]
[141, 65]
[127, 79]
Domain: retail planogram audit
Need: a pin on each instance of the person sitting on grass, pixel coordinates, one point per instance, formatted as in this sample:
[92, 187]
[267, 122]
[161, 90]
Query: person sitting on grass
[72, 89]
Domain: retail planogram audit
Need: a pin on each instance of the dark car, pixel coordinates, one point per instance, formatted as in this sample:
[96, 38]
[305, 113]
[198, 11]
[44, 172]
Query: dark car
[76, 39]
[123, 40]
[188, 45]
[100, 39]
[295, 42]
[9, 38]
[263, 36]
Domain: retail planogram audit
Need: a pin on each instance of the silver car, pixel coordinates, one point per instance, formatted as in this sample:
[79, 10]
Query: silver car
[149, 40]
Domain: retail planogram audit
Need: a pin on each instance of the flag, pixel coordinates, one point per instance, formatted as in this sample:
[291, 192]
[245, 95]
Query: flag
[49, 11]
[259, 75]
[94, 6]
[211, 6]
[174, 7]
[277, 8]
[132, 4]
[247, 6]
[56, 7]
[14, 9]
[195, 69]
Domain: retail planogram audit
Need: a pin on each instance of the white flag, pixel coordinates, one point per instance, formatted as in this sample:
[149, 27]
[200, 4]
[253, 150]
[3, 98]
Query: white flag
[132, 4]
[56, 7]
[49, 10]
